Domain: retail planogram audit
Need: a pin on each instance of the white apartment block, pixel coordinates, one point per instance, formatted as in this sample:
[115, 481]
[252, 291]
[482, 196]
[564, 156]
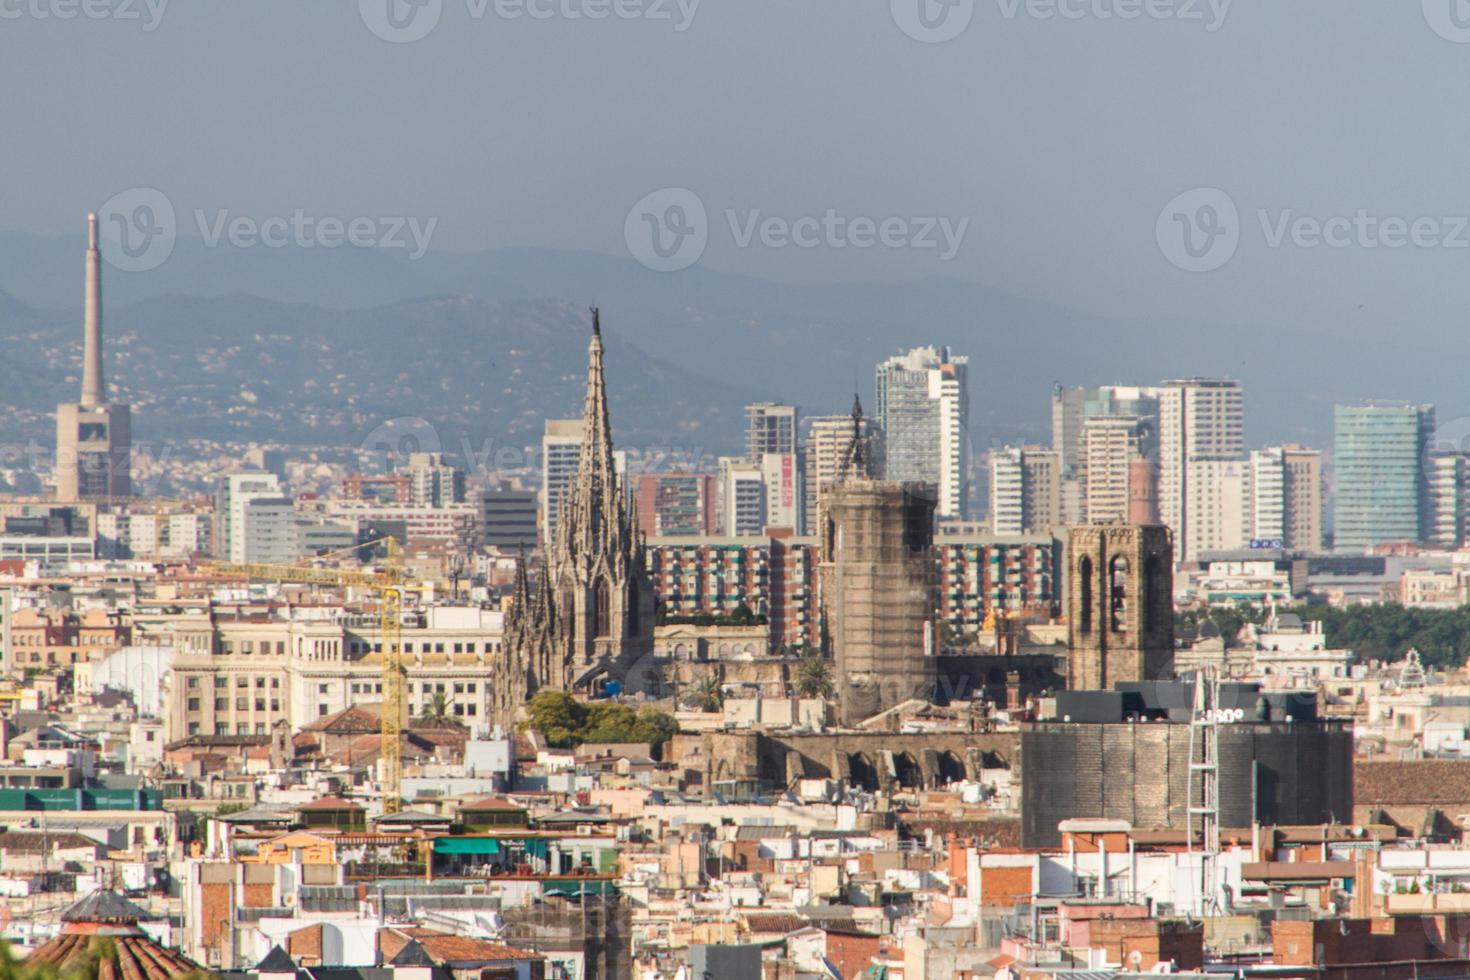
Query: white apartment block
[1110, 443]
[1217, 514]
[1201, 420]
[785, 504]
[1007, 491]
[740, 495]
[236, 492]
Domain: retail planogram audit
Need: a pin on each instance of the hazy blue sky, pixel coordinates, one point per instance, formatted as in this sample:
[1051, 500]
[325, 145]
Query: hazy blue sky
[1058, 139]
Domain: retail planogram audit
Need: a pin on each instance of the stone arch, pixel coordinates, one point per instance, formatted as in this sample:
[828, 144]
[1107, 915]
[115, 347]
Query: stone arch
[906, 771]
[861, 772]
[1119, 585]
[951, 768]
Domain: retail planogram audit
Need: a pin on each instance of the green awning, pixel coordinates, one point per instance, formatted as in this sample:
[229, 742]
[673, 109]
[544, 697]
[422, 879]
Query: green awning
[466, 845]
[537, 847]
[573, 887]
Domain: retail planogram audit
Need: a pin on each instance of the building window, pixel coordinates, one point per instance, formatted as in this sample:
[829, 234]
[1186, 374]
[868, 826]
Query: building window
[193, 704]
[321, 711]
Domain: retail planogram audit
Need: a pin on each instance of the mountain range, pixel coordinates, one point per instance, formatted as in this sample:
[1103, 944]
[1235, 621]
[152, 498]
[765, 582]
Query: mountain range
[317, 347]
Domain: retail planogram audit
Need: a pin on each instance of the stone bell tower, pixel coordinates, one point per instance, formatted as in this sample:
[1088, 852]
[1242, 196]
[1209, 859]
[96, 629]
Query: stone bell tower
[1120, 604]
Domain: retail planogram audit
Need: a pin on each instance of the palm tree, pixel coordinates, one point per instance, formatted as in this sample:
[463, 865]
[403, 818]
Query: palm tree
[814, 677]
[436, 712]
[706, 694]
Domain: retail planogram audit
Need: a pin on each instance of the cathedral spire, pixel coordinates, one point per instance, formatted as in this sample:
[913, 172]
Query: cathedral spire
[855, 459]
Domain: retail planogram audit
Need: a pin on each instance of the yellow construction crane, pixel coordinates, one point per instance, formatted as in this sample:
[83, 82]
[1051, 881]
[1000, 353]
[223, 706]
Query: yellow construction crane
[388, 583]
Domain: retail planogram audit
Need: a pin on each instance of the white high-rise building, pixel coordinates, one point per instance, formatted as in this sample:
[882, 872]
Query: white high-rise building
[1201, 420]
[924, 412]
[1007, 491]
[781, 477]
[1025, 490]
[1268, 495]
[235, 494]
[1448, 492]
[433, 482]
[1218, 516]
[740, 494]
[561, 448]
[1110, 444]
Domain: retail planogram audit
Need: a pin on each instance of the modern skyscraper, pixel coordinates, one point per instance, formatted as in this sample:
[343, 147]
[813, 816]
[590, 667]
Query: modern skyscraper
[741, 494]
[237, 492]
[1285, 497]
[1025, 490]
[1201, 420]
[781, 477]
[508, 519]
[924, 412]
[1302, 521]
[1071, 410]
[1267, 476]
[1379, 454]
[1448, 492]
[561, 448]
[770, 428]
[1110, 445]
[93, 436]
[433, 482]
[1218, 513]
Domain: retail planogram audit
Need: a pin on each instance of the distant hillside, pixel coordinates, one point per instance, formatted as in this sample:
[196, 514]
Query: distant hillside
[343, 337]
[244, 368]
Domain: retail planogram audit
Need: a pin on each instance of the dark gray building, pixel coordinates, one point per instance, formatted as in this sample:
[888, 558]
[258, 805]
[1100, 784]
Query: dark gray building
[508, 519]
[1125, 755]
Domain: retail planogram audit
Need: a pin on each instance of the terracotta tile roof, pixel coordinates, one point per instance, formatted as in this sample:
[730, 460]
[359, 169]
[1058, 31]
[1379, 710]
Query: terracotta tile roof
[1419, 782]
[349, 721]
[136, 957]
[329, 803]
[444, 948]
[490, 803]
